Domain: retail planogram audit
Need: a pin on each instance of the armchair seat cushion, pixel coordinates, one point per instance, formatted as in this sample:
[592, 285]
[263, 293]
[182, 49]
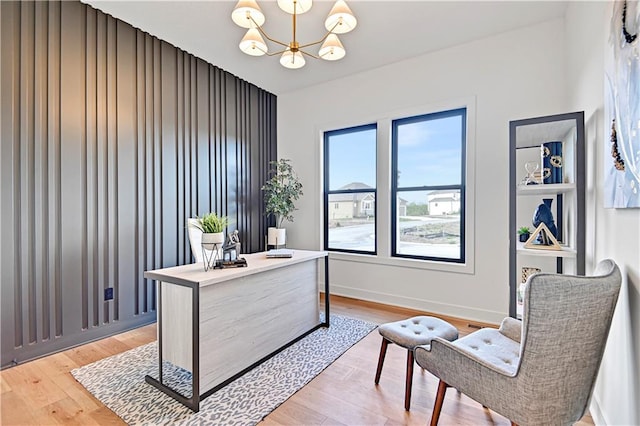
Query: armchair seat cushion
[490, 346]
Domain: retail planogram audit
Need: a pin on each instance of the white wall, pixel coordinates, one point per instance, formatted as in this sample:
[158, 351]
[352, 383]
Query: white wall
[611, 233]
[515, 75]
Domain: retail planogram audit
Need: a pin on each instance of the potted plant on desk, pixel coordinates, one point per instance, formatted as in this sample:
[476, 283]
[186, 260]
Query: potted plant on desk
[212, 227]
[280, 193]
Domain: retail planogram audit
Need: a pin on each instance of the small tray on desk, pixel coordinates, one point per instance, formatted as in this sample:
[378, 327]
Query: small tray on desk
[240, 262]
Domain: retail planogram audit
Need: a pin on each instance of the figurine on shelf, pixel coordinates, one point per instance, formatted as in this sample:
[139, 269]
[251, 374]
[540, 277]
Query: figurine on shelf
[533, 176]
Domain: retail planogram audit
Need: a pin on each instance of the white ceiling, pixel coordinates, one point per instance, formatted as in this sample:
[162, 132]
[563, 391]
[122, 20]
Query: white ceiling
[387, 32]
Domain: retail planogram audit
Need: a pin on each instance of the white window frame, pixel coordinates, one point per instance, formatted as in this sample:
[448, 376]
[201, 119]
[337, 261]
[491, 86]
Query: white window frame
[383, 185]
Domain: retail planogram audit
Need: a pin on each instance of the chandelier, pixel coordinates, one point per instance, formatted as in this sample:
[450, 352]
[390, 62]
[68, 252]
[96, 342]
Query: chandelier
[247, 14]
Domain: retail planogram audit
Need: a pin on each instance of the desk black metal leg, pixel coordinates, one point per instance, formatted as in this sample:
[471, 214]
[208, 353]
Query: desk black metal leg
[194, 402]
[327, 321]
[159, 332]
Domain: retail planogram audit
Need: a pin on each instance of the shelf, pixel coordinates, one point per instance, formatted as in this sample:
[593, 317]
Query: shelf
[551, 188]
[565, 252]
[525, 139]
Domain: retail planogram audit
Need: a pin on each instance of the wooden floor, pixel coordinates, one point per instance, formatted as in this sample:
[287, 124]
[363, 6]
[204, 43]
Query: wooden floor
[43, 392]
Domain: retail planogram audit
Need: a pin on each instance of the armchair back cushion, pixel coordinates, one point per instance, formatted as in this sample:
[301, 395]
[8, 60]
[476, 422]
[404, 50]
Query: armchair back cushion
[565, 326]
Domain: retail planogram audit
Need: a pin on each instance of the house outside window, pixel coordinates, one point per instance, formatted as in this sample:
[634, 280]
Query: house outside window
[428, 174]
[350, 186]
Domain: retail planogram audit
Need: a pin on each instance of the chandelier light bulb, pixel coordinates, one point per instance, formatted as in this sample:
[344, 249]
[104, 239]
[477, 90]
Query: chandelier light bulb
[253, 44]
[332, 49]
[246, 10]
[292, 60]
[340, 20]
[301, 6]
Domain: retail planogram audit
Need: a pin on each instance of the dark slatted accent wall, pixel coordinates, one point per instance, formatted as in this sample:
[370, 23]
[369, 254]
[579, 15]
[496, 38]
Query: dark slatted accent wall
[111, 139]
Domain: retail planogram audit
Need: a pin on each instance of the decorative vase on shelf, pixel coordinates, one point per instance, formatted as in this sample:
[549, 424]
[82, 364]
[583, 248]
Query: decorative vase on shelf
[544, 215]
[551, 162]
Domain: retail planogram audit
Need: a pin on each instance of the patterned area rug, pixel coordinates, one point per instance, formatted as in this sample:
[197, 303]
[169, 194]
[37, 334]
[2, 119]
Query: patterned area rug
[118, 381]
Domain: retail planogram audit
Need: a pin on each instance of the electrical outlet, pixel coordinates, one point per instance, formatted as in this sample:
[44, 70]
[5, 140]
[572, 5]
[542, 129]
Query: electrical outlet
[108, 293]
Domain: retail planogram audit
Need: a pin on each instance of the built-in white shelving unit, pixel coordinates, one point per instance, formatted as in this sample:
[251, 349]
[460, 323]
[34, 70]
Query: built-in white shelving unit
[526, 137]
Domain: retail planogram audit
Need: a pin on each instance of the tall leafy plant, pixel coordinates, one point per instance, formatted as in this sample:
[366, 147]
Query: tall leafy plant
[281, 191]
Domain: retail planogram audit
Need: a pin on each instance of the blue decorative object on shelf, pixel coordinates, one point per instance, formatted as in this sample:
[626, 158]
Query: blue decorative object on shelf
[551, 162]
[543, 215]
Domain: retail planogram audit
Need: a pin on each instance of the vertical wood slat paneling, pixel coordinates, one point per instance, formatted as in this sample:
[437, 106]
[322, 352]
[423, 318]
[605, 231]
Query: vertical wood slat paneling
[111, 140]
[27, 188]
[16, 110]
[55, 160]
[91, 300]
[138, 164]
[125, 285]
[84, 174]
[41, 170]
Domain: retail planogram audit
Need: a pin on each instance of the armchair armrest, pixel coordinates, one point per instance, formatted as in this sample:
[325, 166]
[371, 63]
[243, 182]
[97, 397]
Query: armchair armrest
[512, 328]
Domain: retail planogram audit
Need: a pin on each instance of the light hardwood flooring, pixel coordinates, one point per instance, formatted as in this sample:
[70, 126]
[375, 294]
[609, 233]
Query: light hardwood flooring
[43, 392]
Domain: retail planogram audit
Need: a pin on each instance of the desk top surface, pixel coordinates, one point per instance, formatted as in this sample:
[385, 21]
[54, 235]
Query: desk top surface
[194, 274]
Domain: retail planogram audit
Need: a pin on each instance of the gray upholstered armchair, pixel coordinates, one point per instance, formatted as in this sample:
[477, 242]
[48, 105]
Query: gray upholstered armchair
[540, 371]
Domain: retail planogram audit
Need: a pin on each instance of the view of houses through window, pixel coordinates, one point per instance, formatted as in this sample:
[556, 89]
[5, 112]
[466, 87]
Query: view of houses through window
[427, 188]
[350, 189]
[428, 173]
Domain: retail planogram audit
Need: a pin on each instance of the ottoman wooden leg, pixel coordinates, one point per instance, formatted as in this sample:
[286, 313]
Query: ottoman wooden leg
[407, 389]
[383, 352]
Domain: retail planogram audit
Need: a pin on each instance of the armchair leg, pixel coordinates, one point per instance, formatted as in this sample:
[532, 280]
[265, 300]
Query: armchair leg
[409, 381]
[383, 352]
[442, 388]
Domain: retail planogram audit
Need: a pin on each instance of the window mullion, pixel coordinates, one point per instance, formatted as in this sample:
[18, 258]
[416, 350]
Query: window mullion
[383, 197]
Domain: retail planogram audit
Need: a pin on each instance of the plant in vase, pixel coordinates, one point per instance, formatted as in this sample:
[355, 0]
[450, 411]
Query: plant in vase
[212, 227]
[523, 233]
[280, 193]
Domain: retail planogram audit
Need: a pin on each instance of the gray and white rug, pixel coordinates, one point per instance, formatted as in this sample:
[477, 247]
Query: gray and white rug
[118, 381]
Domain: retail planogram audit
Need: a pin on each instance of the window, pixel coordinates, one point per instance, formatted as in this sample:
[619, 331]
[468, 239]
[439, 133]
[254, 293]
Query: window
[350, 187]
[401, 191]
[428, 186]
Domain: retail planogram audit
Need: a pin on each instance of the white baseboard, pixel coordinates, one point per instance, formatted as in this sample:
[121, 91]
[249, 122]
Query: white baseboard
[419, 304]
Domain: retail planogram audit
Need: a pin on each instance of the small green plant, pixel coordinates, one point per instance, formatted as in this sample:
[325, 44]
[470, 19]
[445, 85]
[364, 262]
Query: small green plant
[524, 230]
[281, 191]
[211, 223]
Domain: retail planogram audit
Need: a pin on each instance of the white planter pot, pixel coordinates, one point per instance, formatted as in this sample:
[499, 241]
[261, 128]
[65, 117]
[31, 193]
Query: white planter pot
[209, 240]
[276, 236]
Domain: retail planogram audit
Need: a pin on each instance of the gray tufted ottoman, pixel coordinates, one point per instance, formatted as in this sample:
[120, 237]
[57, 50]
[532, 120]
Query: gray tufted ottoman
[410, 333]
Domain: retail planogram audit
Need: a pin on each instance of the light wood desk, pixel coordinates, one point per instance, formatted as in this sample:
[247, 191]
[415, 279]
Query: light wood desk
[221, 323]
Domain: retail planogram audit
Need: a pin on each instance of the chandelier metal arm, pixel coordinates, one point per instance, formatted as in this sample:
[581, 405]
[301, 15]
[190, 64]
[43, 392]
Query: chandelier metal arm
[321, 40]
[265, 35]
[309, 54]
[279, 52]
